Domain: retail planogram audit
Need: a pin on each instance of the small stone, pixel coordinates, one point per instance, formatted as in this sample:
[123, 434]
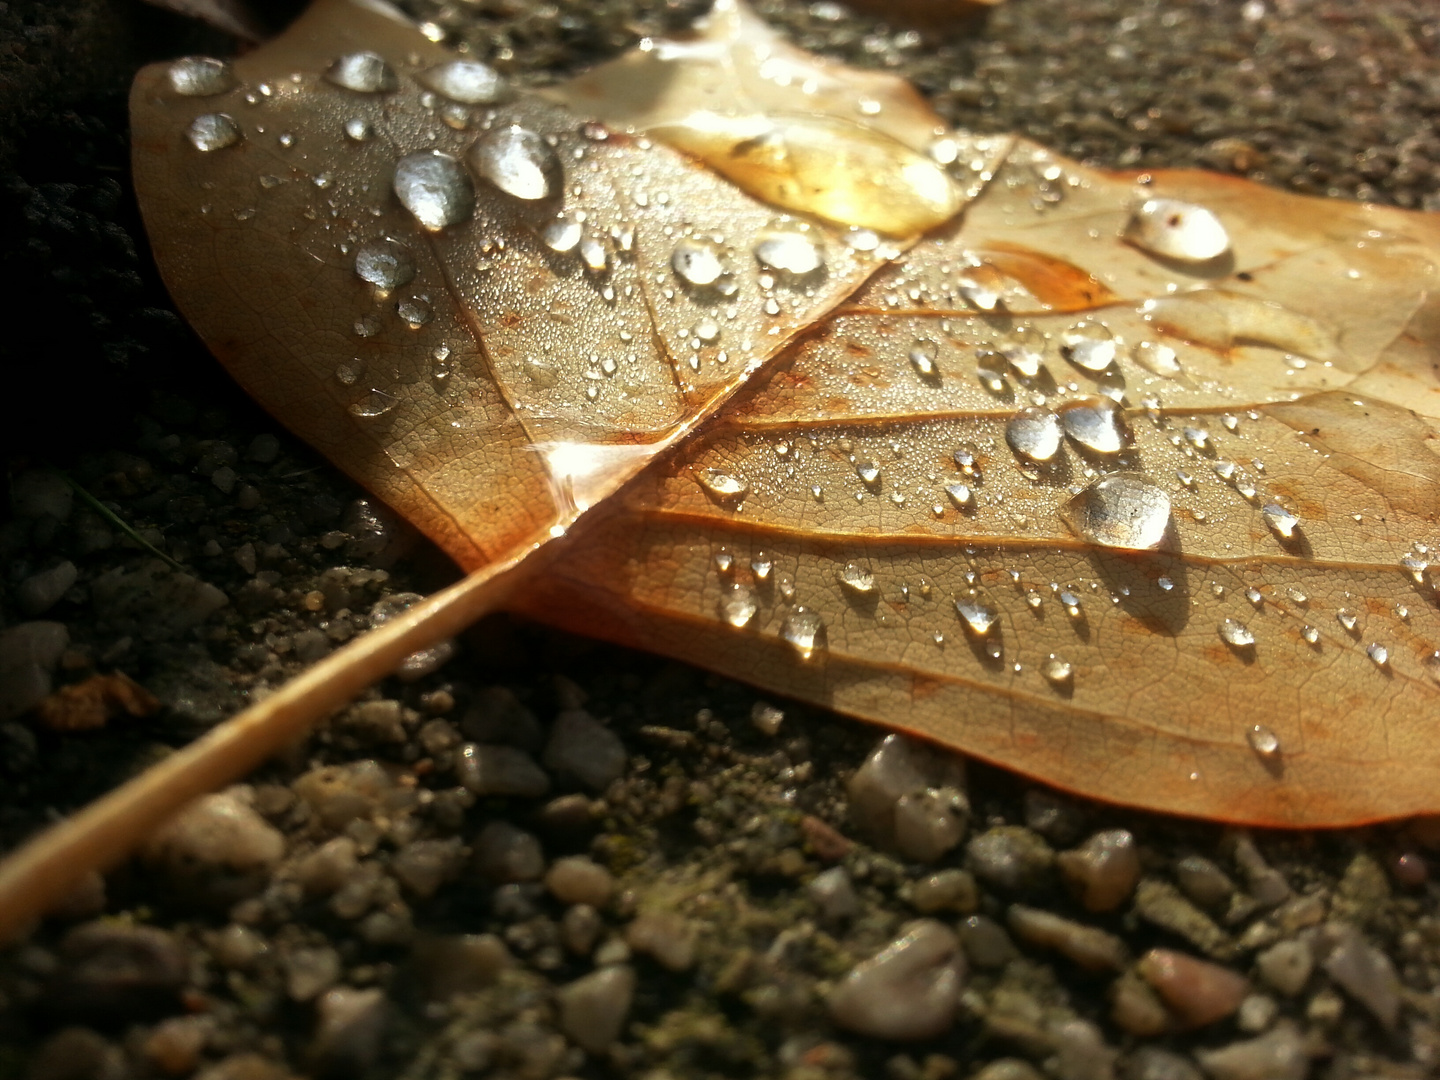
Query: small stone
[1256, 1013]
[263, 449]
[667, 938]
[328, 867]
[766, 718]
[504, 853]
[1136, 1008]
[1160, 903]
[593, 1008]
[578, 880]
[449, 964]
[219, 832]
[29, 652]
[1008, 1069]
[41, 591]
[1103, 871]
[945, 890]
[1010, 857]
[496, 715]
[422, 866]
[245, 1067]
[175, 1044]
[487, 770]
[834, 894]
[1053, 816]
[1155, 1063]
[1197, 992]
[986, 942]
[1204, 882]
[584, 749]
[350, 1026]
[1362, 971]
[1285, 966]
[310, 972]
[1090, 947]
[909, 990]
[1266, 884]
[77, 1053]
[580, 929]
[119, 971]
[338, 794]
[910, 797]
[1278, 1055]
[237, 947]
[41, 493]
[929, 823]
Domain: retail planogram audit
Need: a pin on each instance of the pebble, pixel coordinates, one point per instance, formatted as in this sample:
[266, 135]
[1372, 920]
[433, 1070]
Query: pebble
[1276, 1055]
[41, 591]
[324, 870]
[1136, 1008]
[1010, 857]
[1160, 903]
[1256, 1013]
[29, 652]
[245, 1067]
[113, 969]
[665, 937]
[1157, 1063]
[580, 929]
[1285, 967]
[504, 853]
[582, 748]
[909, 990]
[174, 1045]
[500, 770]
[1103, 871]
[496, 715]
[217, 832]
[237, 947]
[449, 964]
[77, 1053]
[1204, 882]
[945, 890]
[1362, 971]
[309, 972]
[766, 718]
[594, 1007]
[1008, 1069]
[1196, 991]
[349, 1027]
[1081, 1052]
[41, 493]
[910, 798]
[1267, 886]
[424, 865]
[1053, 816]
[1088, 946]
[834, 894]
[986, 942]
[576, 879]
[338, 794]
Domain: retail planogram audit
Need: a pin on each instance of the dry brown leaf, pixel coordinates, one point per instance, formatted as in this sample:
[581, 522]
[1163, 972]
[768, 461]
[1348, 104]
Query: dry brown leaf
[94, 702]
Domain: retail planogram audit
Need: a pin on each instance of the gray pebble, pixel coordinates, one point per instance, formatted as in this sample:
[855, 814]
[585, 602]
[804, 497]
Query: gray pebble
[117, 970]
[667, 938]
[580, 929]
[1008, 1069]
[324, 870]
[424, 865]
[77, 1053]
[217, 832]
[310, 972]
[41, 493]
[1160, 903]
[1102, 872]
[576, 879]
[448, 964]
[1088, 946]
[582, 748]
[945, 890]
[41, 591]
[1081, 1052]
[500, 770]
[29, 652]
[1286, 966]
[1362, 971]
[1256, 1013]
[1267, 886]
[1155, 1063]
[1053, 816]
[1277, 1055]
[1204, 882]
[909, 797]
[833, 893]
[593, 1008]
[263, 449]
[986, 942]
[504, 853]
[909, 990]
[496, 715]
[350, 1025]
[1010, 857]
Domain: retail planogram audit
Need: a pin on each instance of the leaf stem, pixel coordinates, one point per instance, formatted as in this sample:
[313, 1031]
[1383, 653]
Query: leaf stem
[116, 520]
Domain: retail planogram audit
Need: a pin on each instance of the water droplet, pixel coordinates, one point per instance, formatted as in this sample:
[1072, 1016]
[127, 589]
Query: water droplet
[802, 630]
[1199, 438]
[1034, 433]
[966, 462]
[1165, 583]
[1431, 664]
[856, 579]
[358, 129]
[1415, 565]
[1122, 510]
[440, 366]
[990, 370]
[707, 331]
[384, 263]
[724, 561]
[375, 403]
[200, 76]
[761, 566]
[347, 374]
[1236, 634]
[518, 162]
[1281, 521]
[922, 358]
[1097, 425]
[414, 311]
[737, 605]
[593, 253]
[1263, 740]
[466, 81]
[1156, 358]
[1070, 602]
[978, 295]
[562, 234]
[1310, 634]
[1089, 345]
[789, 251]
[1057, 671]
[363, 72]
[1254, 596]
[213, 131]
[1177, 230]
[978, 616]
[961, 496]
[868, 472]
[721, 485]
[1348, 619]
[1025, 350]
[697, 262]
[434, 188]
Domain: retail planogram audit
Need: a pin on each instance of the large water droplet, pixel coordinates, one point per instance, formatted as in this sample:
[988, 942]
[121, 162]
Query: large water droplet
[1236, 634]
[1089, 345]
[385, 263]
[697, 262]
[518, 162]
[961, 496]
[363, 72]
[722, 485]
[1034, 433]
[1177, 230]
[358, 129]
[1097, 425]
[1281, 521]
[562, 234]
[737, 605]
[1156, 358]
[978, 616]
[856, 579]
[414, 311]
[213, 131]
[1263, 740]
[801, 629]
[593, 253]
[789, 251]
[434, 188]
[1123, 510]
[1057, 670]
[868, 472]
[200, 76]
[466, 81]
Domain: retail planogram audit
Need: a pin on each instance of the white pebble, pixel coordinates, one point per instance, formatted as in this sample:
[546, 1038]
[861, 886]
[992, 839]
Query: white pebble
[909, 990]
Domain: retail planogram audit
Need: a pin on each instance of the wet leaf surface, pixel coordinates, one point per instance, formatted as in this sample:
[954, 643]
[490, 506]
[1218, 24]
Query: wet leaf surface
[1079, 484]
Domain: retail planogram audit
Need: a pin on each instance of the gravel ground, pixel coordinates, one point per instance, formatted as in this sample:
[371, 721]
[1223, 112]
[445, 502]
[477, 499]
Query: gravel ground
[545, 857]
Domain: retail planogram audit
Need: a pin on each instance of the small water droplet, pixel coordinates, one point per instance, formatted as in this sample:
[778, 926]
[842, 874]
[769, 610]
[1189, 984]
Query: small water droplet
[562, 234]
[200, 76]
[724, 561]
[358, 129]
[789, 251]
[1254, 596]
[1034, 433]
[1057, 670]
[362, 72]
[801, 629]
[737, 605]
[760, 566]
[1236, 634]
[384, 263]
[922, 358]
[414, 311]
[1348, 619]
[1177, 230]
[1263, 741]
[519, 162]
[990, 370]
[1310, 634]
[440, 366]
[961, 496]
[856, 579]
[722, 485]
[978, 616]
[466, 81]
[1281, 521]
[707, 331]
[1097, 425]
[1378, 653]
[1123, 510]
[1431, 664]
[1156, 358]
[868, 472]
[347, 374]
[593, 253]
[213, 131]
[434, 188]
[1415, 565]
[1198, 437]
[375, 403]
[1089, 345]
[697, 262]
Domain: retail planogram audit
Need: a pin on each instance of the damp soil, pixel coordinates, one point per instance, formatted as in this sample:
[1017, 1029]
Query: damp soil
[170, 969]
